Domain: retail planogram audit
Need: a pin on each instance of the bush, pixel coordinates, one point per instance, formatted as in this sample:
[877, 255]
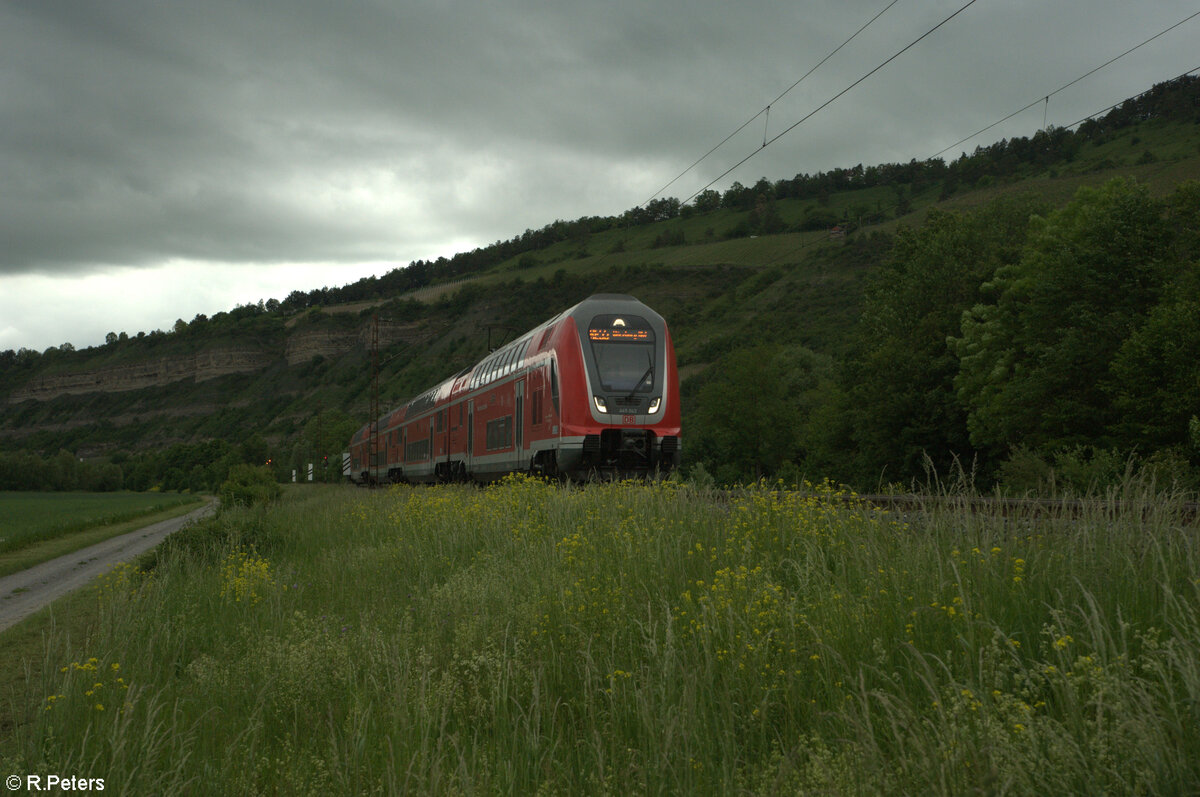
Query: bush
[1088, 469]
[1170, 470]
[248, 485]
[1025, 473]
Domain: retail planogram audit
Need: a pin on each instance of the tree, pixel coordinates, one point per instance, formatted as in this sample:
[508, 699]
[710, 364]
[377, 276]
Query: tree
[765, 219]
[1034, 357]
[737, 196]
[900, 375]
[745, 422]
[1156, 373]
[254, 450]
[707, 201]
[326, 435]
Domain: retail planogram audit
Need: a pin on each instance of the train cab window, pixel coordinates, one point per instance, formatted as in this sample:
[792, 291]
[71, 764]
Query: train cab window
[624, 352]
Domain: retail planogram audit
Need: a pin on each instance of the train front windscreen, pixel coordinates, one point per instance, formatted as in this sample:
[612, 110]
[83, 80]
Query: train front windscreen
[623, 347]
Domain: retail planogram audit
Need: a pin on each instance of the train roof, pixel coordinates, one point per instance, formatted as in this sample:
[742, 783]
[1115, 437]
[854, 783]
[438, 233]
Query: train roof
[584, 311]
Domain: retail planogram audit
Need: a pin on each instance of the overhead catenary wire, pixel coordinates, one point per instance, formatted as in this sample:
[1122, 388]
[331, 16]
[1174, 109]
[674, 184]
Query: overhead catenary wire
[816, 241]
[1047, 97]
[832, 99]
[1115, 105]
[767, 109]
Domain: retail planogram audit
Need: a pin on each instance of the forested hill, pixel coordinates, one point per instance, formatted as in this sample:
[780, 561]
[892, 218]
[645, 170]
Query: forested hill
[1028, 310]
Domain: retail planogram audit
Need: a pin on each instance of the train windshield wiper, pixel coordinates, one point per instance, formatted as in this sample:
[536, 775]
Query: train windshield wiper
[648, 375]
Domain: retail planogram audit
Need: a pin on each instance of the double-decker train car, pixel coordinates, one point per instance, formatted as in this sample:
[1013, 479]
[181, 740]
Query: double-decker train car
[593, 392]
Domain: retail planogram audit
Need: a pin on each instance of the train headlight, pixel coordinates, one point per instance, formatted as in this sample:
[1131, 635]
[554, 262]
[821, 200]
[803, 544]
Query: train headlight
[654, 403]
[600, 405]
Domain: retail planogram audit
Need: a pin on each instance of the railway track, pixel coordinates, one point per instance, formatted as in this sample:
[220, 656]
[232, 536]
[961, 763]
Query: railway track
[1028, 507]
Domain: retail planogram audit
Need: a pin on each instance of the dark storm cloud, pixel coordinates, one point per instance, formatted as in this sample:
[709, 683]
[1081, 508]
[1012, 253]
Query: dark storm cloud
[134, 133]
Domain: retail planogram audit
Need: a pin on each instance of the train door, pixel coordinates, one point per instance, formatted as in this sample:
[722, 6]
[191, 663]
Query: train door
[519, 436]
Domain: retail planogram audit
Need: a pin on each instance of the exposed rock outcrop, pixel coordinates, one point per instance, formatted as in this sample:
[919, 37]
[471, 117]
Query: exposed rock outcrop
[300, 347]
[394, 332]
[147, 373]
[310, 343]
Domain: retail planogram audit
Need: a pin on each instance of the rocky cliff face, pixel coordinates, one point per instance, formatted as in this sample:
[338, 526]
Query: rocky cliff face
[305, 344]
[395, 332]
[327, 343]
[148, 373]
[300, 347]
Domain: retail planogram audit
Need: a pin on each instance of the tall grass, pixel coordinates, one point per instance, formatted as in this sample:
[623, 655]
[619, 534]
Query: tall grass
[530, 638]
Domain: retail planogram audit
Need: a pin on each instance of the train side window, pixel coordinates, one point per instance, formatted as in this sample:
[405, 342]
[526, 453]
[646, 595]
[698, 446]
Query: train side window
[500, 433]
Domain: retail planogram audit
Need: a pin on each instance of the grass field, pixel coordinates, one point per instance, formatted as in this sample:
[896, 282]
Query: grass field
[27, 518]
[36, 527]
[630, 639]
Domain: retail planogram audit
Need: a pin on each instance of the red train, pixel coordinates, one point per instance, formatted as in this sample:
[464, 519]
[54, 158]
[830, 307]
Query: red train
[593, 392]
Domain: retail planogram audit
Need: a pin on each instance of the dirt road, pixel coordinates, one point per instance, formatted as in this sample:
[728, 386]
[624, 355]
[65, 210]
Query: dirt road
[22, 594]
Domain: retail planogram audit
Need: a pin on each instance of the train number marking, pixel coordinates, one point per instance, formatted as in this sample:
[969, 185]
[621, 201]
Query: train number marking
[629, 419]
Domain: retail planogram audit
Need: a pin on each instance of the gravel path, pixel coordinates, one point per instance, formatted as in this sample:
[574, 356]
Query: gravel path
[22, 594]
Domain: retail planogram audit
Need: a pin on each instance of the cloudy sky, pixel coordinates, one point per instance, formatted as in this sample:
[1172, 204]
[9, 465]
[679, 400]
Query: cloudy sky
[159, 160]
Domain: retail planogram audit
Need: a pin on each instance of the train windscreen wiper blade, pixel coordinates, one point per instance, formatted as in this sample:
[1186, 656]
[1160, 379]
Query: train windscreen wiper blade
[648, 375]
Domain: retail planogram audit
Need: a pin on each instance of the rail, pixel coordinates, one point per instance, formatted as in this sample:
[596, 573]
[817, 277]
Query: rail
[1025, 507]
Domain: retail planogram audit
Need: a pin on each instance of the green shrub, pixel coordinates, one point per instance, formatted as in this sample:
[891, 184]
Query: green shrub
[248, 485]
[1025, 473]
[1088, 469]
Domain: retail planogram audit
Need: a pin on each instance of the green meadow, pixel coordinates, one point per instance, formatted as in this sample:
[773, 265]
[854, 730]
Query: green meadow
[29, 517]
[36, 526]
[530, 638]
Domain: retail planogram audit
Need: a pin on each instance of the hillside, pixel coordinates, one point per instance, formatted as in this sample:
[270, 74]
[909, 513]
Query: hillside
[783, 262]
